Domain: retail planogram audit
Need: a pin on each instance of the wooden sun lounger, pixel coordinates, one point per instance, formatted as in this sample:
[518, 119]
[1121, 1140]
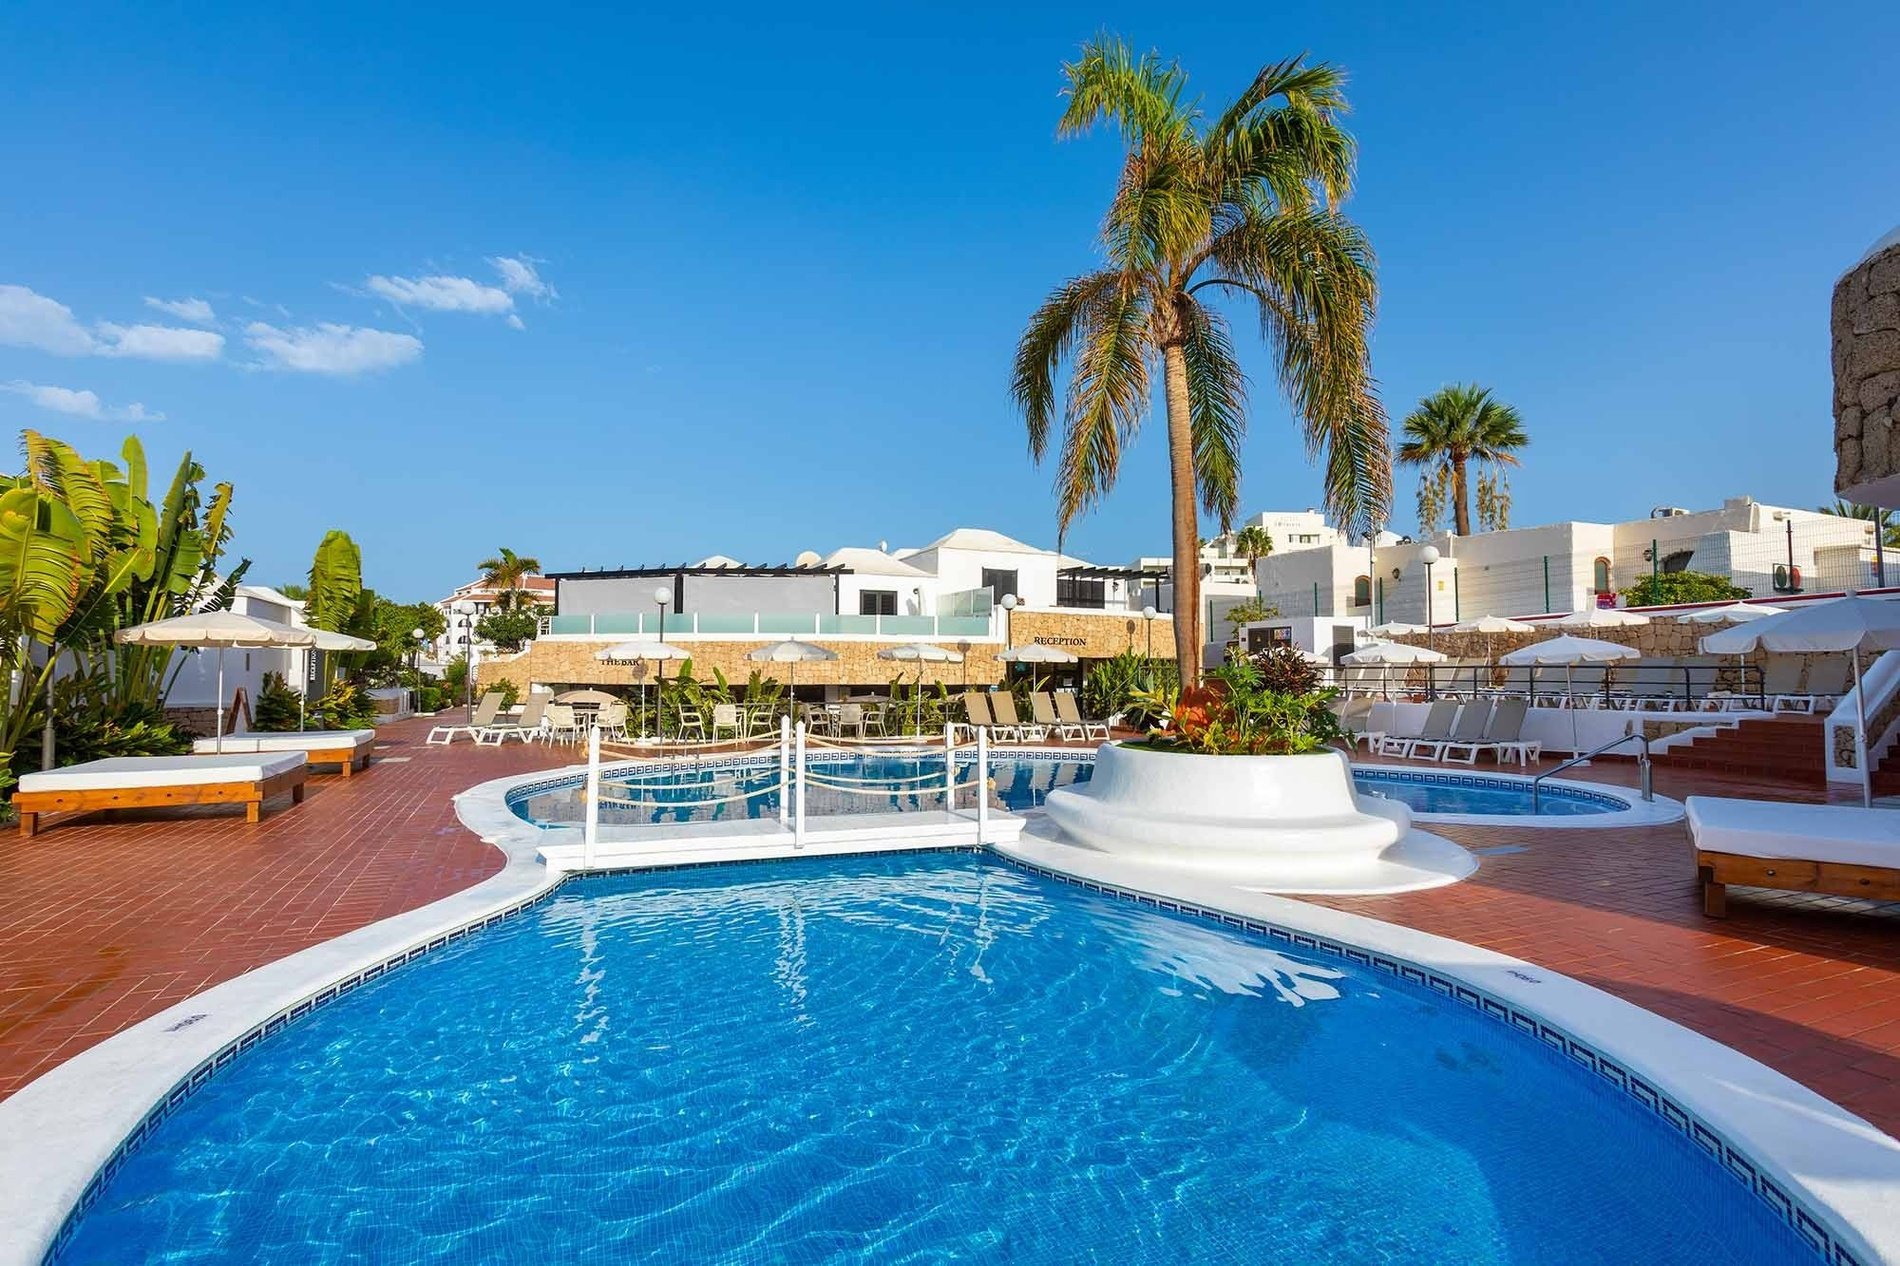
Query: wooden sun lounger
[1840, 850]
[350, 749]
[139, 782]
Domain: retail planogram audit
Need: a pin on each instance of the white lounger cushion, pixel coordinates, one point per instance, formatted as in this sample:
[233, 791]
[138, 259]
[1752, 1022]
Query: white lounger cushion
[1770, 829]
[289, 741]
[128, 773]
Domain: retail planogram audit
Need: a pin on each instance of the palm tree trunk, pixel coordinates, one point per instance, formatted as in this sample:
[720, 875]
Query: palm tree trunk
[1187, 526]
[1461, 497]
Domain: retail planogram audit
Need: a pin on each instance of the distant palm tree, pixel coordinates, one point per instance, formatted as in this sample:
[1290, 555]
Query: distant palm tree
[1244, 205]
[1253, 543]
[1451, 429]
[1881, 519]
[504, 574]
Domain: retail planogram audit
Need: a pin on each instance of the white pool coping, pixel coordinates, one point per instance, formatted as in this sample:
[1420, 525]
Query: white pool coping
[58, 1131]
[1637, 811]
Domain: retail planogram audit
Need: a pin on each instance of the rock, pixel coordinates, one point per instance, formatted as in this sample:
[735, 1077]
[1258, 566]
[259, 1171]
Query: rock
[1882, 312]
[1876, 438]
[1881, 389]
[1883, 273]
[1847, 424]
[1876, 353]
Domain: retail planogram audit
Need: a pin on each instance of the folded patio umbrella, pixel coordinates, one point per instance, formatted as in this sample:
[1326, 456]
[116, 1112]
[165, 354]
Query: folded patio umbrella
[920, 653]
[635, 652]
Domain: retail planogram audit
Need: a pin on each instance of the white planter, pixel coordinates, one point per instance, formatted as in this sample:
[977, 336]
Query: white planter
[1245, 820]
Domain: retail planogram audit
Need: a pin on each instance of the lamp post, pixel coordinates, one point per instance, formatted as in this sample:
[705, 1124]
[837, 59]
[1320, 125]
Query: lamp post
[415, 663]
[1148, 615]
[1009, 605]
[661, 595]
[1429, 556]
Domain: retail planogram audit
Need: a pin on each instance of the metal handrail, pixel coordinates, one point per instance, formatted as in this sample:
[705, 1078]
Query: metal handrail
[1642, 766]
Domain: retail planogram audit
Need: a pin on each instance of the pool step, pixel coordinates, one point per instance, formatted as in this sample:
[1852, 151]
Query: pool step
[1781, 749]
[673, 844]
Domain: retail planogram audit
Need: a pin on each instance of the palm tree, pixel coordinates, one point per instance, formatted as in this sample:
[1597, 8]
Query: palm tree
[1253, 543]
[1245, 207]
[1881, 519]
[1448, 431]
[504, 574]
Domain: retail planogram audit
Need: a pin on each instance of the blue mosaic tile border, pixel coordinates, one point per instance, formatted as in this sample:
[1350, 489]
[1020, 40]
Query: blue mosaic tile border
[1812, 1230]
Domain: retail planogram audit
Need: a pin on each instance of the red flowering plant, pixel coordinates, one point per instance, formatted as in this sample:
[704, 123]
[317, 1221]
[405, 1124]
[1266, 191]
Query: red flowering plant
[1245, 709]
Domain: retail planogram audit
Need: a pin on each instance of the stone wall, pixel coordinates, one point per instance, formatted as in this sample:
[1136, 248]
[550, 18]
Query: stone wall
[1088, 635]
[1866, 330]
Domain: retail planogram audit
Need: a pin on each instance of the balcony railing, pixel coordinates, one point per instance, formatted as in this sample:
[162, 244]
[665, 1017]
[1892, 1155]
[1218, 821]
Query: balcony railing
[766, 624]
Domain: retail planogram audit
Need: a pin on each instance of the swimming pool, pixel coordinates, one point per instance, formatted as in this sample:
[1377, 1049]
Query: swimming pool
[914, 1058]
[664, 794]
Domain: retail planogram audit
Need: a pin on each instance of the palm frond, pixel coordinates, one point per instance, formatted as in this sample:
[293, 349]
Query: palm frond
[1049, 341]
[1283, 134]
[1107, 399]
[1217, 395]
[1141, 95]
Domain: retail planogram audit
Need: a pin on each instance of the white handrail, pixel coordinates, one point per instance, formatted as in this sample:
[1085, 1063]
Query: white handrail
[982, 785]
[798, 814]
[949, 767]
[591, 831]
[784, 769]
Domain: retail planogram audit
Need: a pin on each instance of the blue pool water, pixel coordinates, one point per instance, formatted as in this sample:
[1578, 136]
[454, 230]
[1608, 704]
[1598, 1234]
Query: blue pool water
[917, 1059]
[1022, 782]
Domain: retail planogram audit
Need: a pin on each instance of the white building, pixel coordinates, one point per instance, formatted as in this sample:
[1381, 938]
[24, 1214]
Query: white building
[1561, 567]
[196, 685]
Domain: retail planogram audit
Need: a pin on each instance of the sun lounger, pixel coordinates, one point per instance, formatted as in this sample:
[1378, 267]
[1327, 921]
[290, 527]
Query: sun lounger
[348, 748]
[138, 782]
[1841, 850]
[976, 714]
[1071, 713]
[484, 717]
[1826, 683]
[1009, 726]
[1436, 729]
[1469, 728]
[526, 727]
[1043, 708]
[1503, 736]
[1781, 683]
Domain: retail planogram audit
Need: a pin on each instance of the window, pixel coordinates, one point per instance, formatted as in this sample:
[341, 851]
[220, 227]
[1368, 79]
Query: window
[1072, 591]
[1678, 561]
[877, 602]
[1600, 575]
[1362, 591]
[1000, 583]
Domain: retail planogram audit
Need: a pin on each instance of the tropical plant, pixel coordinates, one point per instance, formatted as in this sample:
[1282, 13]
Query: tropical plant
[1237, 713]
[1253, 543]
[278, 707]
[1245, 206]
[1449, 431]
[1247, 612]
[504, 573]
[509, 630]
[336, 583]
[1669, 587]
[90, 727]
[1881, 518]
[345, 706]
[1115, 686]
[1286, 670]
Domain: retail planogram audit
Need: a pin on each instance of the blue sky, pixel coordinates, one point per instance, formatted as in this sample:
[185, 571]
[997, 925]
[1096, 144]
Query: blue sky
[730, 281]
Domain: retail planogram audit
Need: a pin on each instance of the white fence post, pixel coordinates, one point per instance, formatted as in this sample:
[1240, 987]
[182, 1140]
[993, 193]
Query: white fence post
[784, 769]
[982, 785]
[949, 766]
[591, 831]
[798, 814]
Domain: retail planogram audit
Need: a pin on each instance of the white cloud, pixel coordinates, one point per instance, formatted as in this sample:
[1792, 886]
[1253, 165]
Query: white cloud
[197, 311]
[331, 349]
[515, 322]
[518, 277]
[442, 294]
[78, 404]
[28, 319]
[158, 342]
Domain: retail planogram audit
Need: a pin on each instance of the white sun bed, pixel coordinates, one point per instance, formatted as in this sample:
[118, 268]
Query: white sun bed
[131, 782]
[349, 748]
[1843, 850]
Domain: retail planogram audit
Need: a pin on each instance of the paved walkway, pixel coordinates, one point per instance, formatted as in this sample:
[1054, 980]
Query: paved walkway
[106, 920]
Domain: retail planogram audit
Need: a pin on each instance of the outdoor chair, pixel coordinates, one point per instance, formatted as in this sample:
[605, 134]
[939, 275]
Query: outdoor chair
[818, 719]
[726, 720]
[526, 726]
[484, 716]
[1827, 681]
[1517, 681]
[874, 722]
[692, 726]
[1469, 728]
[1781, 683]
[1008, 725]
[851, 720]
[1435, 729]
[1353, 715]
[561, 723]
[976, 713]
[761, 720]
[611, 721]
[1549, 687]
[1043, 708]
[1503, 736]
[1071, 713]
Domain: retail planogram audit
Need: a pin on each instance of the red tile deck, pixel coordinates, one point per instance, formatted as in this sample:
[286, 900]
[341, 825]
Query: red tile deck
[108, 919]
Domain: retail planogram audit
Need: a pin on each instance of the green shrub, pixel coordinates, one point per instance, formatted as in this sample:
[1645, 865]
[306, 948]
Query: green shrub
[1666, 588]
[346, 707]
[1236, 713]
[508, 630]
[1120, 684]
[278, 707]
